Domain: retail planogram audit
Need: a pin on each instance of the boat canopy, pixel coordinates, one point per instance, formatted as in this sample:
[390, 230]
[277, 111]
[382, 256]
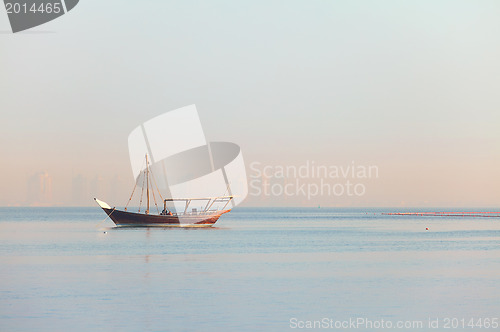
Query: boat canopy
[211, 201]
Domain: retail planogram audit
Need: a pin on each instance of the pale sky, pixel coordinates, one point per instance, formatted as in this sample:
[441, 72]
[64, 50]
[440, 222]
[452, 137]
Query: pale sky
[408, 86]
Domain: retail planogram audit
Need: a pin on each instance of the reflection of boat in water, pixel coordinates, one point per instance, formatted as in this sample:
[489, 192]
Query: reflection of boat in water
[211, 210]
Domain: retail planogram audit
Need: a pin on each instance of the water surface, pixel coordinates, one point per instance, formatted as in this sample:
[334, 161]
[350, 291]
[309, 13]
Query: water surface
[257, 270]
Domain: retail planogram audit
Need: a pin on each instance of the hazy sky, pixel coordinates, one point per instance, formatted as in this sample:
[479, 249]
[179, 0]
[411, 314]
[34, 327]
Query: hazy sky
[409, 86]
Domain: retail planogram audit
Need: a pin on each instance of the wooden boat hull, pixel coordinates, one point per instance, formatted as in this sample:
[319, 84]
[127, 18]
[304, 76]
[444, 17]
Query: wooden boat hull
[125, 218]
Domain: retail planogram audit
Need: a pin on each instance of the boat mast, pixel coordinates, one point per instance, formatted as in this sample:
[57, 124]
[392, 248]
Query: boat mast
[147, 182]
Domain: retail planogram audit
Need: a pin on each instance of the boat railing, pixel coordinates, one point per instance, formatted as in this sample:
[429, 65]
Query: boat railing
[209, 207]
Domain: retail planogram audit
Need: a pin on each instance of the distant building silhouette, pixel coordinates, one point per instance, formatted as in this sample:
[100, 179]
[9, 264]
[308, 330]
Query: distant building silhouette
[98, 187]
[39, 189]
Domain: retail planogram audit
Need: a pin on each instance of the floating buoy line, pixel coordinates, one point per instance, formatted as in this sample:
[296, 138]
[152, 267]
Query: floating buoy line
[488, 214]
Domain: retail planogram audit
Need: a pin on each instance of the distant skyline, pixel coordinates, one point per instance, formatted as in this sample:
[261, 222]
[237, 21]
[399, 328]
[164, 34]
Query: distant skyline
[410, 87]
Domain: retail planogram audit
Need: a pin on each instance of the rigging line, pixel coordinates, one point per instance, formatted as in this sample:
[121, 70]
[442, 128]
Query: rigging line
[99, 224]
[227, 188]
[133, 191]
[157, 189]
[154, 199]
[147, 182]
[132, 195]
[142, 193]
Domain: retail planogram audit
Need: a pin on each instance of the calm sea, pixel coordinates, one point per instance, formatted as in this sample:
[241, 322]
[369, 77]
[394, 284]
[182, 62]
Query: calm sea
[258, 270]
